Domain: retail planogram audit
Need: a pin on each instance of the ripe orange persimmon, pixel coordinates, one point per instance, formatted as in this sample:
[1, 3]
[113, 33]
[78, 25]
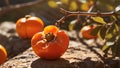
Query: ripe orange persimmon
[86, 32]
[3, 54]
[51, 43]
[26, 27]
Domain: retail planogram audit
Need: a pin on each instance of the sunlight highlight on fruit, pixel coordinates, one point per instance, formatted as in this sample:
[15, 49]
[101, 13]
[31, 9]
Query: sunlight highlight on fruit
[3, 54]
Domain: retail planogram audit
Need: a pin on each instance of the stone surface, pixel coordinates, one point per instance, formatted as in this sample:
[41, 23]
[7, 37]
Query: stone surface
[78, 55]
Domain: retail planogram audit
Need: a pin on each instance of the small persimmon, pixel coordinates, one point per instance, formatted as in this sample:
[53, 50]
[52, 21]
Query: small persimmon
[3, 54]
[29, 25]
[86, 32]
[51, 43]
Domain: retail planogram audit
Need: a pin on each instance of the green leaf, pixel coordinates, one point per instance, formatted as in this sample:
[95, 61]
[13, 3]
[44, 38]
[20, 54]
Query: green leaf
[116, 27]
[114, 18]
[99, 20]
[112, 31]
[95, 30]
[108, 36]
[102, 33]
[72, 25]
[105, 49]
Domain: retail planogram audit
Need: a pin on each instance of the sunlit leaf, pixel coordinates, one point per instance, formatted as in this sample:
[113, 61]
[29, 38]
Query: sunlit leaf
[110, 43]
[112, 31]
[72, 24]
[102, 33]
[108, 36]
[65, 1]
[117, 8]
[99, 20]
[73, 6]
[105, 47]
[113, 38]
[83, 1]
[95, 30]
[52, 4]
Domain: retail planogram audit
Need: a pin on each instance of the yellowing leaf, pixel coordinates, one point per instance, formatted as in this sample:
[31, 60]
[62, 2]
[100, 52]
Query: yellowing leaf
[110, 7]
[99, 20]
[65, 1]
[72, 25]
[73, 6]
[91, 2]
[84, 7]
[52, 4]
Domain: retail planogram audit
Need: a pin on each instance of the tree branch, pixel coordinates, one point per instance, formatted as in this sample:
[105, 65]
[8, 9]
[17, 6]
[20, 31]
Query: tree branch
[69, 13]
[9, 8]
[88, 13]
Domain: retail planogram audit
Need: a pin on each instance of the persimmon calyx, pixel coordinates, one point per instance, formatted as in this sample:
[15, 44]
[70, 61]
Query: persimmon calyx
[50, 36]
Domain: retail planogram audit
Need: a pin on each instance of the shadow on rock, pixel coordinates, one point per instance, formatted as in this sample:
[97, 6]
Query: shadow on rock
[63, 63]
[88, 63]
[14, 45]
[9, 39]
[59, 63]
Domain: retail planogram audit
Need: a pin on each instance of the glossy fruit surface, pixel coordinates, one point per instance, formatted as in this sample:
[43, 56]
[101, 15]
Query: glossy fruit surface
[51, 43]
[86, 32]
[3, 54]
[26, 27]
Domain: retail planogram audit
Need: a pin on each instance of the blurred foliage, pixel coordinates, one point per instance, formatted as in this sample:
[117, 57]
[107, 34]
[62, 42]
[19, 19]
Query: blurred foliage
[13, 2]
[72, 5]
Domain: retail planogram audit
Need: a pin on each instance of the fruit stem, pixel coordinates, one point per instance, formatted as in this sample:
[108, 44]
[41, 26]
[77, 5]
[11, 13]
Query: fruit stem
[27, 16]
[49, 36]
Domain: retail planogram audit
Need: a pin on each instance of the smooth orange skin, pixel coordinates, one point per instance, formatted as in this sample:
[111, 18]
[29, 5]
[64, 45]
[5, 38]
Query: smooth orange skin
[51, 28]
[27, 27]
[86, 32]
[50, 50]
[3, 54]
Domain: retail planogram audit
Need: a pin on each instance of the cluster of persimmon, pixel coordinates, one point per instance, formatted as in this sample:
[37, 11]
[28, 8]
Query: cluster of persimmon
[47, 42]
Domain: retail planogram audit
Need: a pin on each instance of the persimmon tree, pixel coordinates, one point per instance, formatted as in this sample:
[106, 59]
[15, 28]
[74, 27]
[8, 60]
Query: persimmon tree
[91, 12]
